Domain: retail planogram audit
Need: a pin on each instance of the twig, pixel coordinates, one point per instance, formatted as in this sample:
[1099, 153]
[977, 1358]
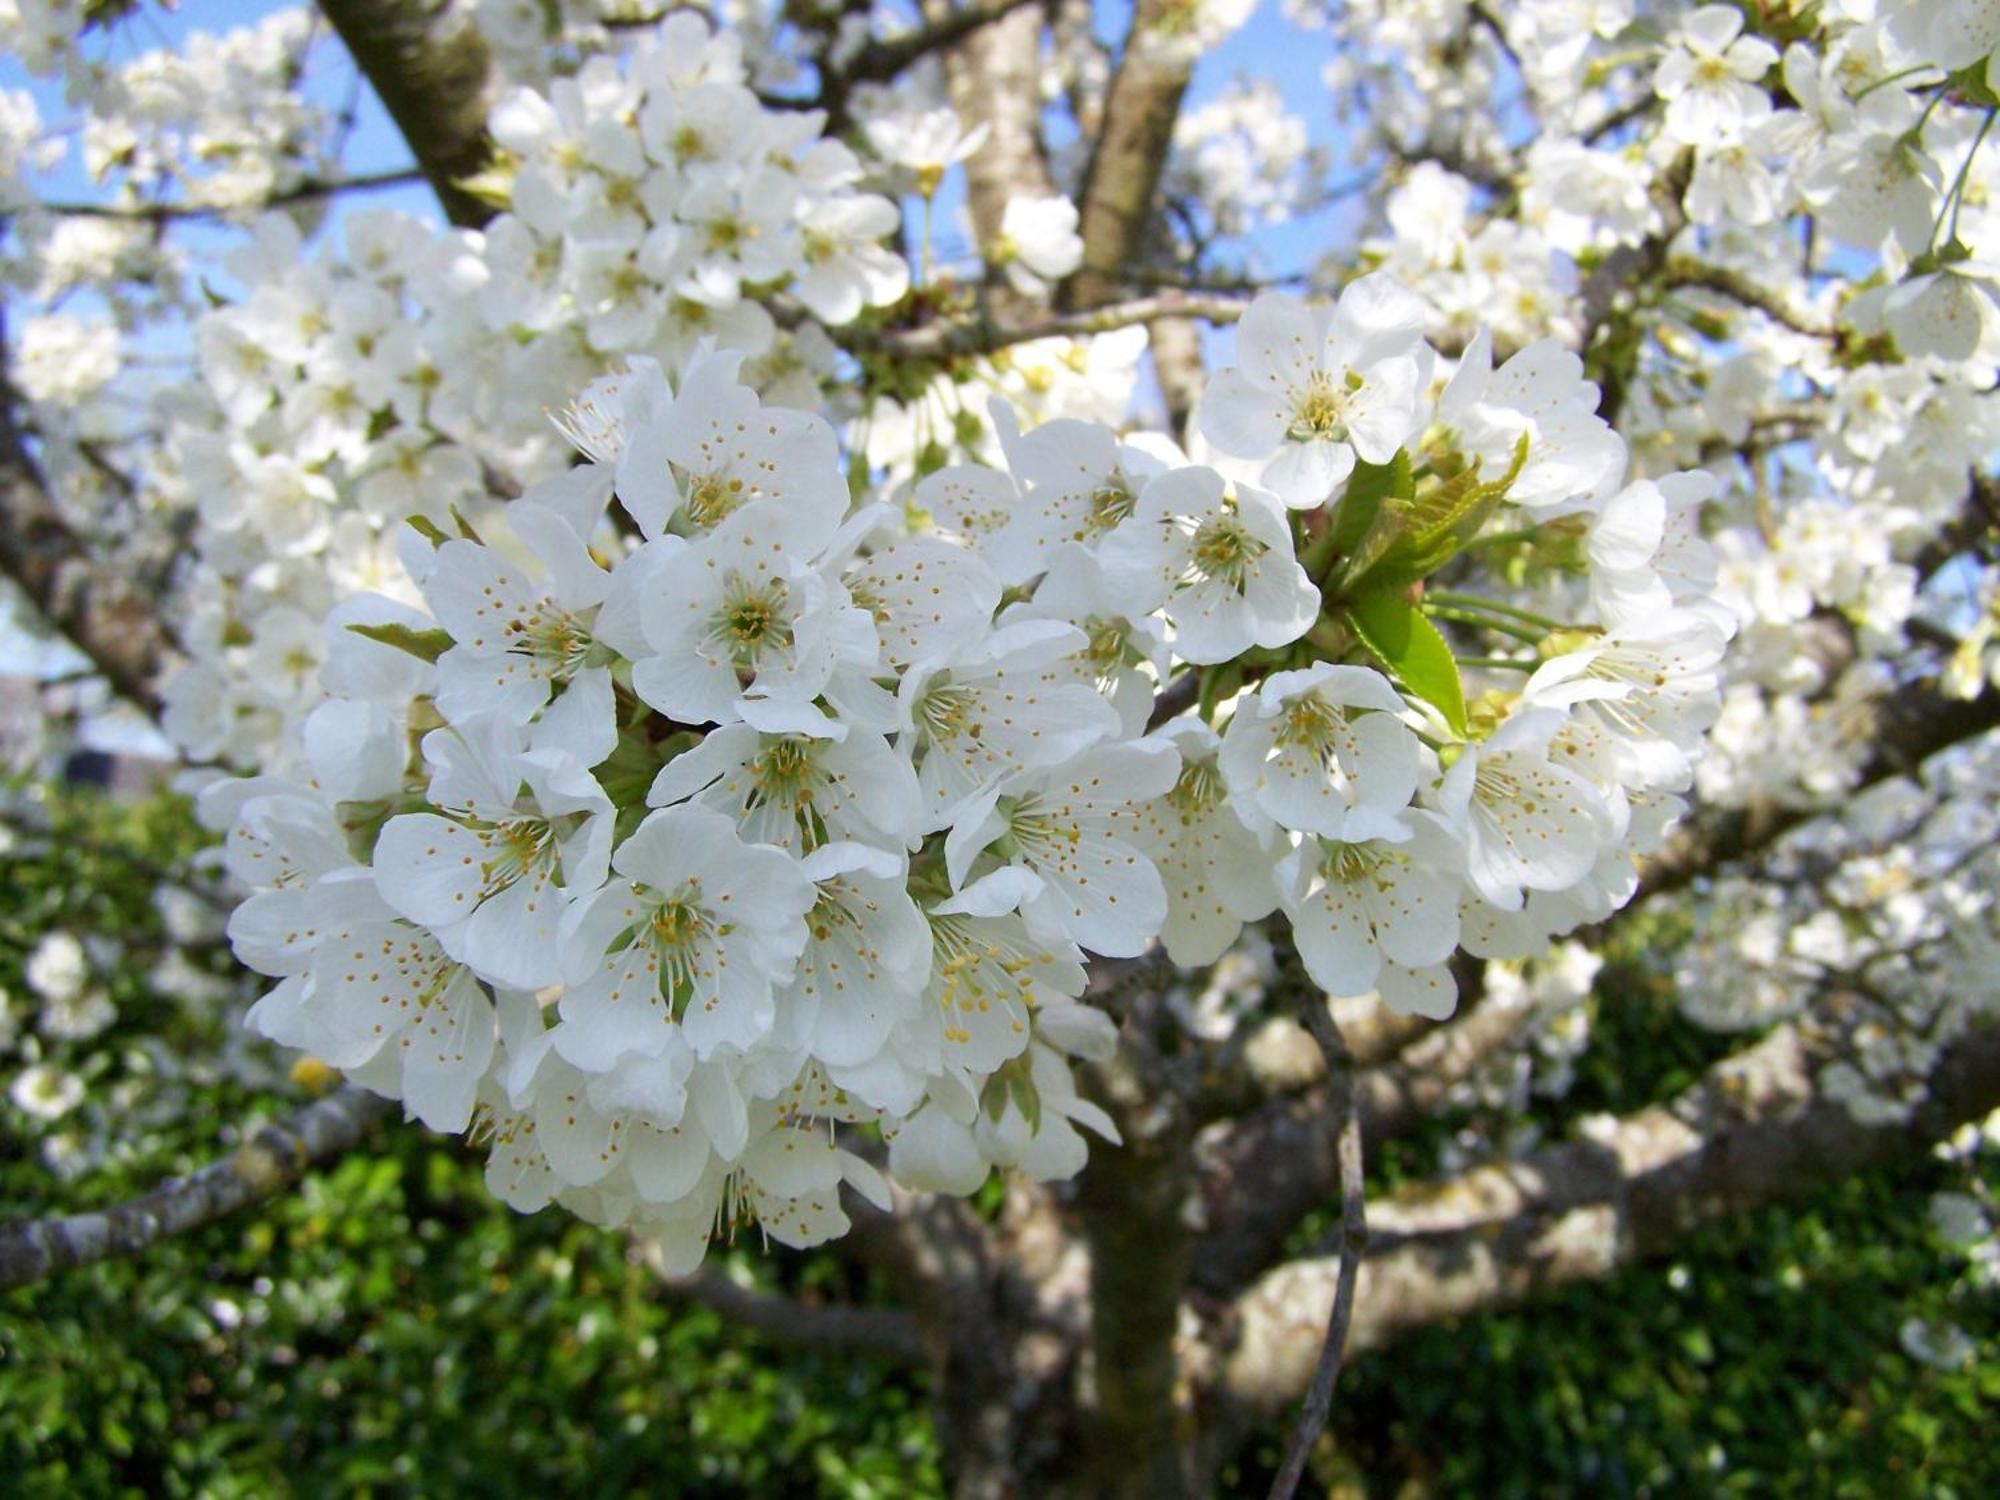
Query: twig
[1485, 17]
[1624, 115]
[1740, 288]
[1352, 1244]
[884, 1332]
[1175, 699]
[981, 335]
[153, 213]
[275, 1157]
[884, 59]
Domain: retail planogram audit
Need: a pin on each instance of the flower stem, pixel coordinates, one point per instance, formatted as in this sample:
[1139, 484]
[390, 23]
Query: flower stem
[1520, 633]
[1493, 606]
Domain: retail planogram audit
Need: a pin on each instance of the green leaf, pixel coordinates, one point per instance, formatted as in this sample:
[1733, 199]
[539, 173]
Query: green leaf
[425, 645]
[1410, 646]
[429, 530]
[1367, 488]
[1970, 83]
[1413, 539]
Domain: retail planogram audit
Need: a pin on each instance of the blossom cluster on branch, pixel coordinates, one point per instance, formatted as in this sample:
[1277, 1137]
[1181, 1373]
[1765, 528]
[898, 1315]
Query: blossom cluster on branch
[657, 853]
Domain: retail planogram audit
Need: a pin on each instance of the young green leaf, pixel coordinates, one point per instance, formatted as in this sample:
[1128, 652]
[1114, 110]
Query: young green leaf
[425, 645]
[1411, 647]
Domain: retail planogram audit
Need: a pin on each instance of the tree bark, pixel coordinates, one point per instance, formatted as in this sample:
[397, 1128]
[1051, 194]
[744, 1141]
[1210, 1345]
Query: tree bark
[433, 73]
[275, 1157]
[1752, 1133]
[994, 75]
[1130, 152]
[106, 616]
[1134, 1200]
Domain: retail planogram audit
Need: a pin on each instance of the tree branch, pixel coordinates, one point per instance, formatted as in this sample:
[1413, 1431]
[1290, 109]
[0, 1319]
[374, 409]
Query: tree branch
[1130, 152]
[1911, 727]
[104, 615]
[275, 1157]
[1131, 1198]
[433, 73]
[155, 213]
[881, 1332]
[982, 335]
[881, 60]
[994, 73]
[1751, 1133]
[1739, 288]
[1262, 1173]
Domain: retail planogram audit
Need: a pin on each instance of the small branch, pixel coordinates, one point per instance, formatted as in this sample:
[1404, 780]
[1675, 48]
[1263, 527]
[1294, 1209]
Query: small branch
[884, 59]
[1739, 288]
[1175, 699]
[1351, 1245]
[275, 1157]
[881, 1332]
[1624, 115]
[156, 213]
[980, 335]
[1483, 16]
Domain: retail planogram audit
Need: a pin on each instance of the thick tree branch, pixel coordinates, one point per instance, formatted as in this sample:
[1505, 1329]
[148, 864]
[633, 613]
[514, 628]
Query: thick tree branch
[1130, 151]
[275, 1157]
[1752, 1133]
[1131, 1197]
[1177, 364]
[433, 73]
[946, 1263]
[882, 1332]
[104, 615]
[995, 78]
[1262, 1173]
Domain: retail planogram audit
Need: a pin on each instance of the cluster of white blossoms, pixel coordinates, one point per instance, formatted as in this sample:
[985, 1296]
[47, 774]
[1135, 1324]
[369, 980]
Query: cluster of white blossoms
[1879, 934]
[678, 867]
[348, 392]
[1244, 157]
[1815, 187]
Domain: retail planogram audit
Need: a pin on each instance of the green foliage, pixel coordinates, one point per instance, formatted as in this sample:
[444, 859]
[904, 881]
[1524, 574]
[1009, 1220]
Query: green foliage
[425, 645]
[1413, 533]
[391, 1329]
